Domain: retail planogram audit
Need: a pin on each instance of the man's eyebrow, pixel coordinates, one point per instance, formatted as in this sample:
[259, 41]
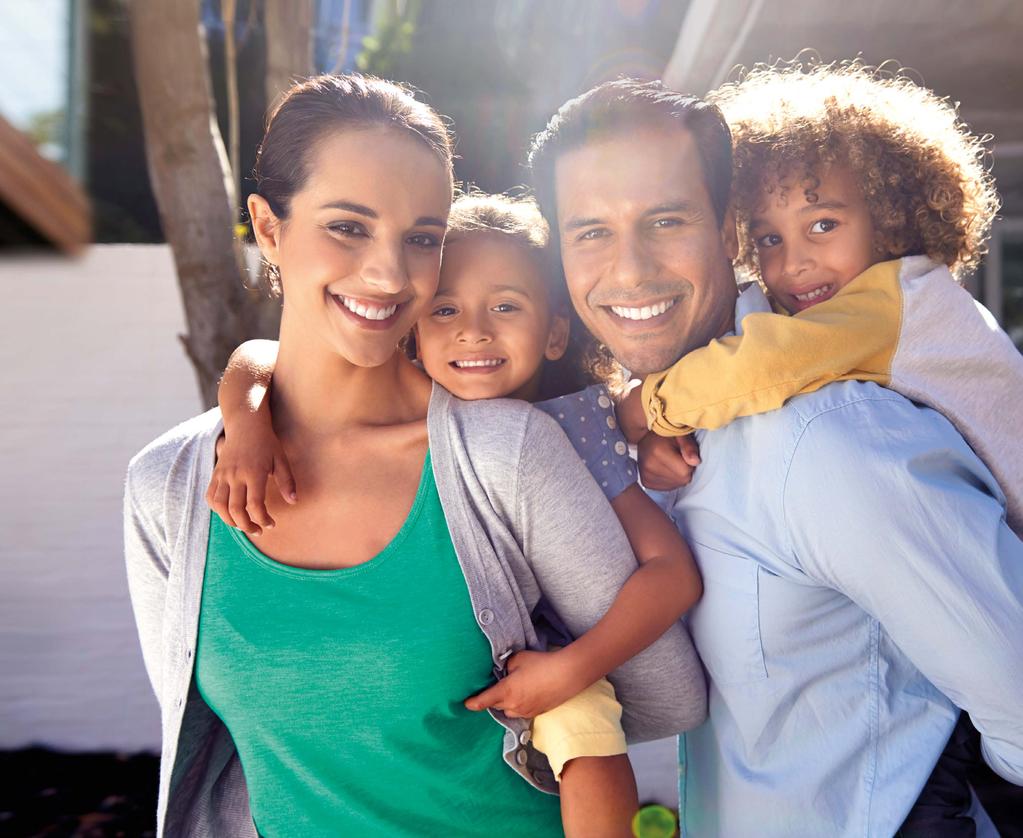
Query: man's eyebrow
[368, 212]
[674, 206]
[578, 223]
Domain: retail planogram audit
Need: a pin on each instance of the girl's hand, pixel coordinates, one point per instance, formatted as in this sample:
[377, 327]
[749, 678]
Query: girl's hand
[667, 463]
[536, 682]
[245, 464]
[631, 418]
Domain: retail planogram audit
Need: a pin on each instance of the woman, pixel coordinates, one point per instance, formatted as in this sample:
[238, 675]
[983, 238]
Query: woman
[314, 685]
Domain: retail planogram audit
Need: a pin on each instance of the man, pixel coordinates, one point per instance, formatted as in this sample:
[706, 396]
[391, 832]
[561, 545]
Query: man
[860, 582]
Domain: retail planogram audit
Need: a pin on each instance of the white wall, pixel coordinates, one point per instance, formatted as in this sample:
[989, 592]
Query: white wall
[90, 371]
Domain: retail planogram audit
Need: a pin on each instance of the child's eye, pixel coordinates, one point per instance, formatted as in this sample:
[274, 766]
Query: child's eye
[444, 311]
[825, 225]
[504, 308]
[425, 240]
[770, 240]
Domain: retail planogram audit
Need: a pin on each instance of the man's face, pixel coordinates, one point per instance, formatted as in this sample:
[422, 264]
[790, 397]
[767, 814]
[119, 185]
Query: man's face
[648, 268]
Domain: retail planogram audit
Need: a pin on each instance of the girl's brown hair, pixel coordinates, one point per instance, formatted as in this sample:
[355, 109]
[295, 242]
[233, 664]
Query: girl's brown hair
[922, 173]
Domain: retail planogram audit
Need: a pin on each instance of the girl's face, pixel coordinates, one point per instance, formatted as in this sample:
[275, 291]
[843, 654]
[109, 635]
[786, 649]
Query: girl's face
[809, 252]
[359, 254]
[490, 326]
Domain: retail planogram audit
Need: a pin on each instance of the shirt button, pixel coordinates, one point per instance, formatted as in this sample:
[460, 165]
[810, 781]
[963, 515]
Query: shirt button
[486, 617]
[188, 654]
[620, 448]
[509, 738]
[604, 402]
[611, 423]
[524, 737]
[521, 757]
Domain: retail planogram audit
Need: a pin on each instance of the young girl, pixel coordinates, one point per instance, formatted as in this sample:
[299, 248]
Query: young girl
[495, 329]
[859, 199]
[310, 686]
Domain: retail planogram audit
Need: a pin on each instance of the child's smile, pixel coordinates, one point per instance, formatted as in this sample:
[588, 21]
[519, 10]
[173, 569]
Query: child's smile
[809, 250]
[490, 328]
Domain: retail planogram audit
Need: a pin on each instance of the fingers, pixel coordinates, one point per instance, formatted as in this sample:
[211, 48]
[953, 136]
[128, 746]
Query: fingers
[255, 505]
[662, 464]
[218, 502]
[236, 506]
[490, 697]
[690, 449]
[285, 480]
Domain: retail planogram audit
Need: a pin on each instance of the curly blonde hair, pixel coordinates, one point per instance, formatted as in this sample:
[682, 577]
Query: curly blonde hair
[923, 174]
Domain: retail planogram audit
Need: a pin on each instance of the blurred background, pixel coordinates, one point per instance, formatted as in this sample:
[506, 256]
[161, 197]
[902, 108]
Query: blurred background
[126, 136]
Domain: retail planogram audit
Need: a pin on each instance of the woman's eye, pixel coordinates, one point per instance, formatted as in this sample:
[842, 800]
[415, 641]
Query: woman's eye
[346, 228]
[444, 311]
[505, 308]
[424, 240]
[770, 240]
[825, 225]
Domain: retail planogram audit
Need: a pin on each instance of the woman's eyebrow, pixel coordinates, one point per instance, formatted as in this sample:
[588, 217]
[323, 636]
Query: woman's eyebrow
[368, 212]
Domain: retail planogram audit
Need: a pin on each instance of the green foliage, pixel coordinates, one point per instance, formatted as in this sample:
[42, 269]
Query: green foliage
[382, 53]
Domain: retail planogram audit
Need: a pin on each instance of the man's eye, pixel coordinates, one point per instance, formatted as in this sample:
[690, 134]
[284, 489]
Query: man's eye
[504, 308]
[825, 225]
[444, 311]
[590, 235]
[667, 222]
[424, 240]
[770, 240]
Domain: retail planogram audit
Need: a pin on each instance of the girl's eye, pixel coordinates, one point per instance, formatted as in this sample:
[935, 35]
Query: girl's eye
[825, 225]
[770, 240]
[424, 240]
[505, 308]
[444, 311]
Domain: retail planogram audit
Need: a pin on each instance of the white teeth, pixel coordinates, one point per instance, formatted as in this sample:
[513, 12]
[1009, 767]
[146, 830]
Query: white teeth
[644, 313]
[369, 312]
[486, 362]
[813, 295]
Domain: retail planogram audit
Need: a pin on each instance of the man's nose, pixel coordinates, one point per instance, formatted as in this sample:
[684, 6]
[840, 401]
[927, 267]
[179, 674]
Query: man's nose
[384, 268]
[631, 265]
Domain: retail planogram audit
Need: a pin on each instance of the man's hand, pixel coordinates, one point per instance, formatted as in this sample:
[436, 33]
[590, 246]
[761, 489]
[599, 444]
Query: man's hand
[245, 464]
[536, 682]
[667, 463]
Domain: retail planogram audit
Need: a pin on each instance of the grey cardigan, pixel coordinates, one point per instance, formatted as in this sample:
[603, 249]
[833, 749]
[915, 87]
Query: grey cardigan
[525, 517]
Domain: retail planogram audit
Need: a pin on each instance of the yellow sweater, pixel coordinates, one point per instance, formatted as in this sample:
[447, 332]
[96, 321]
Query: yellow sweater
[904, 324]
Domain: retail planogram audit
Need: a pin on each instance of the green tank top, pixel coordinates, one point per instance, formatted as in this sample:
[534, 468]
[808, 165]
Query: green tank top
[343, 689]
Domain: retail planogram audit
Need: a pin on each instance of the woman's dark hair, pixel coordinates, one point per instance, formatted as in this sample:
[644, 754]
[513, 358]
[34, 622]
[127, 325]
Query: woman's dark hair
[622, 106]
[321, 104]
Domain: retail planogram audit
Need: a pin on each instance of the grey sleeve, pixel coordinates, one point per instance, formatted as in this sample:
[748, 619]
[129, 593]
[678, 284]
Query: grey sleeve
[147, 556]
[581, 558]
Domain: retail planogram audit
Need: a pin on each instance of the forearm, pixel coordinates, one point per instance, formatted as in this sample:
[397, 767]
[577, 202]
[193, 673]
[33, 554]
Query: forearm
[246, 380]
[649, 603]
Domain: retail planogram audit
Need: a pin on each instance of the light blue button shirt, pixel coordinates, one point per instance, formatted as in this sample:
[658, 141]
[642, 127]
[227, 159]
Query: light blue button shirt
[860, 584]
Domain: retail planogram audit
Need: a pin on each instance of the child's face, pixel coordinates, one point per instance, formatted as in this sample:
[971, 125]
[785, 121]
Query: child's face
[490, 327]
[809, 252]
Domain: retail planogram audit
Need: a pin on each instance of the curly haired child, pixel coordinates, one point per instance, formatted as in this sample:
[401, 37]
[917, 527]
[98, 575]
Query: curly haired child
[860, 199]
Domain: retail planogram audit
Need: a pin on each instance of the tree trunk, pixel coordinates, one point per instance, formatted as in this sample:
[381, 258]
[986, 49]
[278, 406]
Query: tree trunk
[289, 45]
[192, 182]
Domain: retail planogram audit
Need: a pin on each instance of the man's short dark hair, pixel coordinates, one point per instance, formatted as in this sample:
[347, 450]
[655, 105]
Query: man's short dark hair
[624, 105]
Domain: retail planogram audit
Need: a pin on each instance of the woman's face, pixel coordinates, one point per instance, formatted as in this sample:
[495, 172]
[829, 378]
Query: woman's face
[359, 254]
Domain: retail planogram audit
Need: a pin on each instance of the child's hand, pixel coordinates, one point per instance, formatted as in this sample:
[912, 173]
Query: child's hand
[536, 682]
[245, 464]
[667, 463]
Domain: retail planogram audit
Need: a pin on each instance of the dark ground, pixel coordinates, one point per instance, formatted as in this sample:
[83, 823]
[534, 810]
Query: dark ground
[56, 795]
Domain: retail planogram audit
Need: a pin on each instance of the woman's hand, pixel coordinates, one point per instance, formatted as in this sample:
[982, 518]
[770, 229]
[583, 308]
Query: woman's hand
[667, 463]
[245, 463]
[536, 682]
